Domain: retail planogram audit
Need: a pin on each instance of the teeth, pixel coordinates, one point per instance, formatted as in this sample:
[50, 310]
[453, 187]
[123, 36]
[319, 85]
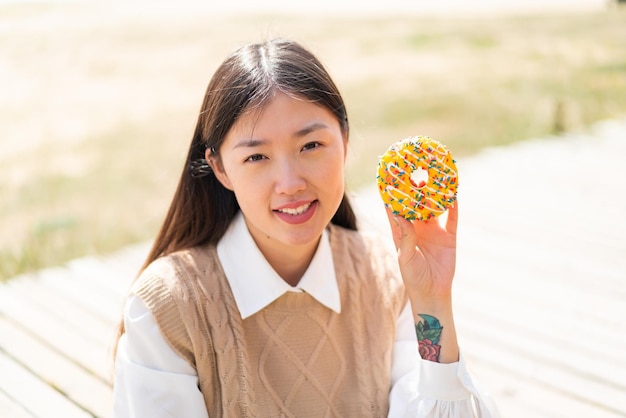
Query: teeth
[295, 211]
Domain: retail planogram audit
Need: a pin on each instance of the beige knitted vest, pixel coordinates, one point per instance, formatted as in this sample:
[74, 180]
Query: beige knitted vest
[294, 358]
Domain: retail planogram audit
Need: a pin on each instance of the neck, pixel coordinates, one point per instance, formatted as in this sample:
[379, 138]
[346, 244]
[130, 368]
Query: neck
[290, 262]
[292, 273]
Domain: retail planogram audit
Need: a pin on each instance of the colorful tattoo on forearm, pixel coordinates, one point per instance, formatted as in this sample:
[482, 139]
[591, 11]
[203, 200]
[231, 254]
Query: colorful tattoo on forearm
[428, 335]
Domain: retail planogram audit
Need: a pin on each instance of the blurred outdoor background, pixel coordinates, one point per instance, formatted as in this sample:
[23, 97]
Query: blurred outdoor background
[98, 100]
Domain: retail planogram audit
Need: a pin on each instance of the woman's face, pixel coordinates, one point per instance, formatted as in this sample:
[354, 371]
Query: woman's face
[285, 164]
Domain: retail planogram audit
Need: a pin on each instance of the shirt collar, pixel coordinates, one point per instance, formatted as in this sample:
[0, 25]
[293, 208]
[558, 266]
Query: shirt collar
[254, 282]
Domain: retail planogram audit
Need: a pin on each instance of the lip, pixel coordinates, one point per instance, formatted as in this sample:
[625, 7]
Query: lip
[299, 218]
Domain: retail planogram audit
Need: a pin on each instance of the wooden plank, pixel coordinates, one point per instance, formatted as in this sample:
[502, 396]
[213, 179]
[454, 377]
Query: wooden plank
[83, 293]
[124, 265]
[519, 396]
[34, 395]
[550, 263]
[547, 352]
[559, 331]
[56, 370]
[512, 293]
[516, 361]
[62, 309]
[10, 409]
[88, 353]
[564, 345]
[101, 272]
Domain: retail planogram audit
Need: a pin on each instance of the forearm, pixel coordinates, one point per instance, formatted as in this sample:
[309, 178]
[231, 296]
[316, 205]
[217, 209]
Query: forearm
[434, 325]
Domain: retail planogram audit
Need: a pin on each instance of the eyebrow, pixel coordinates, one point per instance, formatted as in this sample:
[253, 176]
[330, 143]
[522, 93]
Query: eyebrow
[315, 126]
[251, 142]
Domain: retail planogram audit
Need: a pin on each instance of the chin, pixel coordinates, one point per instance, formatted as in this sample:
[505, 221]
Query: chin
[305, 237]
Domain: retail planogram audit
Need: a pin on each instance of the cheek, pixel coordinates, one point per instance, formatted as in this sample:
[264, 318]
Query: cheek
[241, 185]
[249, 189]
[334, 174]
[250, 182]
[336, 166]
[330, 174]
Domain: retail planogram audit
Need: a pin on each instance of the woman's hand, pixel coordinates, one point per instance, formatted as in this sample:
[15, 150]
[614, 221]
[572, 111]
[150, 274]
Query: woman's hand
[426, 254]
[427, 259]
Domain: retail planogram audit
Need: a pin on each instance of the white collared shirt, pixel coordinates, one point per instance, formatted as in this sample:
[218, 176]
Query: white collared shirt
[254, 282]
[151, 380]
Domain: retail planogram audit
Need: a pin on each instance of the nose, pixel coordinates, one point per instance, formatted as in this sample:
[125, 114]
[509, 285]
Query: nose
[289, 178]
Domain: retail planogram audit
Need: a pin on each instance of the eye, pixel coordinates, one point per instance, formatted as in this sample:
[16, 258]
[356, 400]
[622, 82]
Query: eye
[254, 157]
[311, 145]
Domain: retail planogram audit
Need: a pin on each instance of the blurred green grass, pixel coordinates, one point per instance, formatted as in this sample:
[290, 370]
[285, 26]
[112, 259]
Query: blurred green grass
[99, 104]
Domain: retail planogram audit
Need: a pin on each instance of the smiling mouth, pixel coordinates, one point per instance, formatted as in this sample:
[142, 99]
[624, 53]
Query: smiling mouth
[295, 211]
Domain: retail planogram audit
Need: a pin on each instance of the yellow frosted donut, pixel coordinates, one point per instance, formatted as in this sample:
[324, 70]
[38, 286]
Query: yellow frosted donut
[417, 178]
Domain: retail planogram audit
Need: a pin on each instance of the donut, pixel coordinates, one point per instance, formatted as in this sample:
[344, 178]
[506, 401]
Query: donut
[417, 178]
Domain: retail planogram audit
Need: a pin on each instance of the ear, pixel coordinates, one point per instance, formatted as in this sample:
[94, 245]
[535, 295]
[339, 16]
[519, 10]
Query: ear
[218, 168]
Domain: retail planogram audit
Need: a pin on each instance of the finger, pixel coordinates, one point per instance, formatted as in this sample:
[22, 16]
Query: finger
[404, 236]
[453, 218]
[396, 230]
